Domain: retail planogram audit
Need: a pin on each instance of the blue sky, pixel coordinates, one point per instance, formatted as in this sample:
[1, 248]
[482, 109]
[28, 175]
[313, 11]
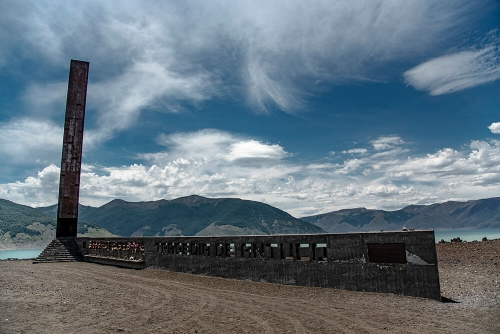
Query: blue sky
[308, 106]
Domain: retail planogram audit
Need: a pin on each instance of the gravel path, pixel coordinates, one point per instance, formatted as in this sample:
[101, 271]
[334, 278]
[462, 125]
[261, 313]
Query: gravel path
[89, 298]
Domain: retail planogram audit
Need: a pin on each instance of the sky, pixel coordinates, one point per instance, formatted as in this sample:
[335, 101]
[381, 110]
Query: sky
[309, 106]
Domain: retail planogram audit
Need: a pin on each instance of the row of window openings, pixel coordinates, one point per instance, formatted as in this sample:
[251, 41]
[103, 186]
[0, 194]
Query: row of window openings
[300, 252]
[377, 253]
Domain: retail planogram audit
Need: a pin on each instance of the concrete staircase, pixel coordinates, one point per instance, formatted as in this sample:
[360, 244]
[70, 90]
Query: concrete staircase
[60, 250]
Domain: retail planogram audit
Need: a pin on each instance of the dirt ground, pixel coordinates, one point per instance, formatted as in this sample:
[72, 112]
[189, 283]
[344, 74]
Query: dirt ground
[90, 298]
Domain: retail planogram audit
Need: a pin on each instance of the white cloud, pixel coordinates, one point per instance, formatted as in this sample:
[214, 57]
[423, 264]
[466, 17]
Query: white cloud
[210, 144]
[203, 143]
[384, 143]
[246, 151]
[356, 151]
[274, 53]
[145, 84]
[448, 164]
[35, 191]
[455, 72]
[30, 140]
[381, 190]
[495, 127]
[46, 99]
[263, 90]
[220, 164]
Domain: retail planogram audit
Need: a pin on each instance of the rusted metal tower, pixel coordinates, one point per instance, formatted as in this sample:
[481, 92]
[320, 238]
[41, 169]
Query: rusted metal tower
[69, 184]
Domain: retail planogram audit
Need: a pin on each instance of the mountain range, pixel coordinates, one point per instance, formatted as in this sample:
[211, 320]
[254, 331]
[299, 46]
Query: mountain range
[196, 215]
[474, 214]
[192, 215]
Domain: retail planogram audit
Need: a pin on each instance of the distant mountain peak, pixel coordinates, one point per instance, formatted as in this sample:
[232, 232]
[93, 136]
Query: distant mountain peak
[191, 198]
[195, 200]
[360, 209]
[113, 203]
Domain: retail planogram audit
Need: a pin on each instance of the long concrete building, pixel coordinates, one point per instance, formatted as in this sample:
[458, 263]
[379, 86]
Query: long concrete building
[392, 262]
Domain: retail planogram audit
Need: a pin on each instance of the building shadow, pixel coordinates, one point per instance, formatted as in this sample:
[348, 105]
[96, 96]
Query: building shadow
[448, 300]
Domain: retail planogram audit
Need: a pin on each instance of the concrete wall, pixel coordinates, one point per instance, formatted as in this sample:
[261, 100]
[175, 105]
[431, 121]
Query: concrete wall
[395, 262]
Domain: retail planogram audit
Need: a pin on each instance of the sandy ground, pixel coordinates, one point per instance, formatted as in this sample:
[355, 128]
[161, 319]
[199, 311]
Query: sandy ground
[89, 298]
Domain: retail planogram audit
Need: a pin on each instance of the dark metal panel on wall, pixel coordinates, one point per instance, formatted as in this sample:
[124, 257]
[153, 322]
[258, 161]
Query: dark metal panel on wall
[69, 184]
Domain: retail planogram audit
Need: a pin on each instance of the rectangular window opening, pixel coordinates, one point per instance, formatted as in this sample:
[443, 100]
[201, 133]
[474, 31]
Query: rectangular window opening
[387, 253]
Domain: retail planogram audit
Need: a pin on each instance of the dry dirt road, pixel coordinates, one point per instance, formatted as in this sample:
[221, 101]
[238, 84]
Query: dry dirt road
[89, 298]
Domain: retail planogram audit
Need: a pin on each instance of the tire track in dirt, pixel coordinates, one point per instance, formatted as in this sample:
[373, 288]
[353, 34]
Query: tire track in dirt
[153, 288]
[116, 308]
[157, 298]
[276, 320]
[334, 321]
[197, 295]
[283, 307]
[176, 296]
[36, 298]
[194, 291]
[236, 306]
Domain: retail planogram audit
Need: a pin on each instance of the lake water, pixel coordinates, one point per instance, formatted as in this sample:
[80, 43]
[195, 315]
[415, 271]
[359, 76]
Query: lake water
[467, 235]
[20, 254]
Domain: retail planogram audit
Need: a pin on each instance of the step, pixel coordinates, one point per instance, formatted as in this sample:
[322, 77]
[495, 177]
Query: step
[60, 250]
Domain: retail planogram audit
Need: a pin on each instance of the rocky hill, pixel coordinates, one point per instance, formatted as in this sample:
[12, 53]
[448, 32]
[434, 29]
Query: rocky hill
[192, 215]
[476, 214]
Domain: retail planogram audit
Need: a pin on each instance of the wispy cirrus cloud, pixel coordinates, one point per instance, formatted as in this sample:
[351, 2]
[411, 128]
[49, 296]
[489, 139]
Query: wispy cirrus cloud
[45, 99]
[386, 142]
[458, 71]
[200, 49]
[30, 140]
[146, 85]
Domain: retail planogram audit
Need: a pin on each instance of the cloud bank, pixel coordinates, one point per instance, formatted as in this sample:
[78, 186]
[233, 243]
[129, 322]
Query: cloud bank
[455, 72]
[215, 163]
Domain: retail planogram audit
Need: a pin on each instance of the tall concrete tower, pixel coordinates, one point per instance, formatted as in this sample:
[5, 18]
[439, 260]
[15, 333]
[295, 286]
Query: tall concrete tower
[69, 184]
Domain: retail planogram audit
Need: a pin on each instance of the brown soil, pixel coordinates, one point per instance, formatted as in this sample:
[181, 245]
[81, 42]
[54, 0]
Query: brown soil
[89, 298]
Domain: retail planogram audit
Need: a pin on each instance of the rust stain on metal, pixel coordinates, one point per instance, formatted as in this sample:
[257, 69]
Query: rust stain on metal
[69, 185]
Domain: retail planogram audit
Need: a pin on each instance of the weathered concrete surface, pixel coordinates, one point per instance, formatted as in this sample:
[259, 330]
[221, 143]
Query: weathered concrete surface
[339, 261]
[69, 184]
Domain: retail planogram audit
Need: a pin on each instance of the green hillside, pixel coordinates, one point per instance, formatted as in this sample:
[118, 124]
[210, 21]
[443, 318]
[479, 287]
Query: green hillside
[15, 218]
[123, 218]
[193, 215]
[22, 226]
